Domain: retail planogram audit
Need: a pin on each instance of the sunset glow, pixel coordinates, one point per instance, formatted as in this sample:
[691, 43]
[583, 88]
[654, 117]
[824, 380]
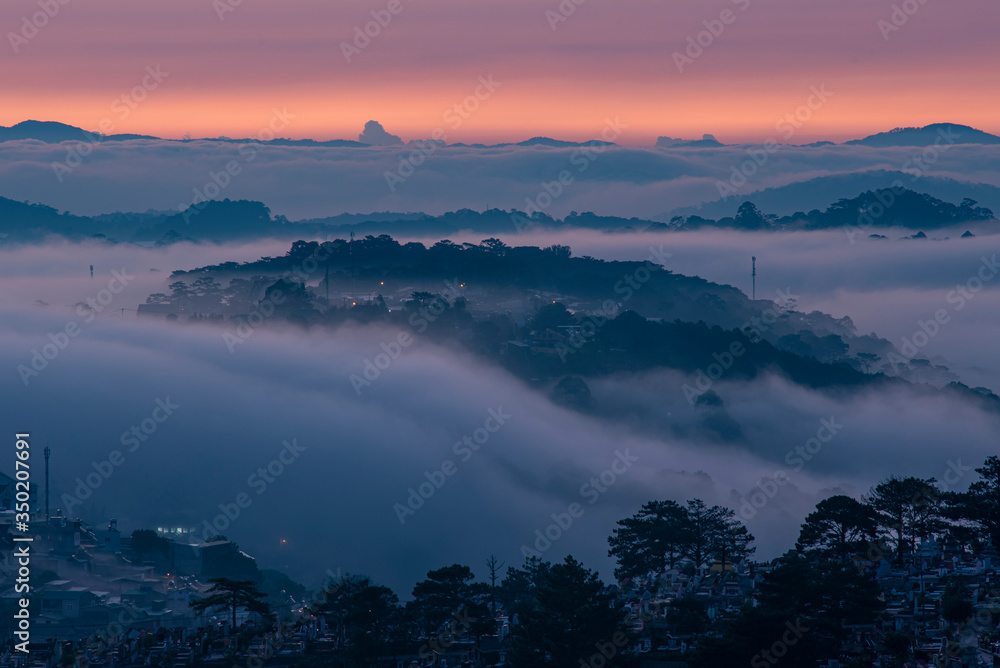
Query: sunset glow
[604, 60]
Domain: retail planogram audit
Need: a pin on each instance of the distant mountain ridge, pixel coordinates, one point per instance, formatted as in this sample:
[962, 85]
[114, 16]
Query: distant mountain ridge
[53, 132]
[929, 135]
[242, 219]
[803, 196]
[952, 133]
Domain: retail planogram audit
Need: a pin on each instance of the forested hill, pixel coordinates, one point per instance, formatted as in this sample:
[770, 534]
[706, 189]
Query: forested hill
[647, 315]
[226, 220]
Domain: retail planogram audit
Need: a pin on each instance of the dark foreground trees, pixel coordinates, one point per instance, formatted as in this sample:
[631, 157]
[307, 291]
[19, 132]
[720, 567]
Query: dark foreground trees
[804, 608]
[664, 533]
[568, 618]
[233, 595]
[839, 528]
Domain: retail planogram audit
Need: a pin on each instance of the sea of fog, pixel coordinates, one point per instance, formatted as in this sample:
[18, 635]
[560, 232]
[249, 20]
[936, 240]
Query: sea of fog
[350, 457]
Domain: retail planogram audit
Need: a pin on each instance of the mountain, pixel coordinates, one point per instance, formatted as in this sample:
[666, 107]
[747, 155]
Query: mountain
[53, 133]
[21, 220]
[225, 220]
[899, 207]
[820, 191]
[330, 143]
[47, 131]
[690, 318]
[929, 135]
[538, 141]
[952, 133]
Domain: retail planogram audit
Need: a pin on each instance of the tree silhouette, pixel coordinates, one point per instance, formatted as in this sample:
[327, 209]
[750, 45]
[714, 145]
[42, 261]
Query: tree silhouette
[367, 614]
[839, 527]
[448, 592]
[233, 595]
[551, 316]
[981, 503]
[714, 532]
[650, 541]
[571, 614]
[909, 508]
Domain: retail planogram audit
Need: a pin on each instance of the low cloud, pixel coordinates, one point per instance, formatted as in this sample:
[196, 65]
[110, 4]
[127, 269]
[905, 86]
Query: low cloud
[308, 182]
[361, 454]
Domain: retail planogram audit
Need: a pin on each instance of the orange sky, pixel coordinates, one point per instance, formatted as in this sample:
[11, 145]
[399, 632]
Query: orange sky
[608, 59]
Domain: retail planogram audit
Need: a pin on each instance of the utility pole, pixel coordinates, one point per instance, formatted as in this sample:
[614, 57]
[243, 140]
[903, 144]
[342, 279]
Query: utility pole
[47, 451]
[754, 277]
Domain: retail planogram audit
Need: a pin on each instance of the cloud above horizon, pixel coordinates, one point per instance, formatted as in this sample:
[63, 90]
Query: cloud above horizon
[307, 182]
[375, 135]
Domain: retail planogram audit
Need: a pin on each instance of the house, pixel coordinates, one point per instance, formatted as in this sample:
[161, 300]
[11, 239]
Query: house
[67, 603]
[58, 534]
[110, 539]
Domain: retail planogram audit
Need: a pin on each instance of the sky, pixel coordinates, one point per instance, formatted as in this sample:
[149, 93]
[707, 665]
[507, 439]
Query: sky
[481, 71]
[229, 63]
